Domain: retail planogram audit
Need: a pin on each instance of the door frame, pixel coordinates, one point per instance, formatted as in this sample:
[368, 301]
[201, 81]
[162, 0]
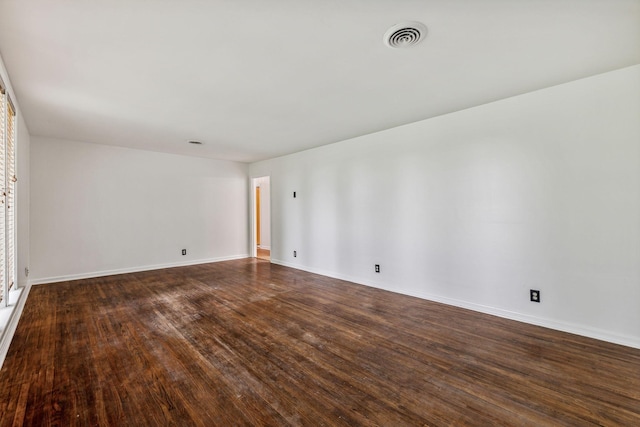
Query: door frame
[252, 209]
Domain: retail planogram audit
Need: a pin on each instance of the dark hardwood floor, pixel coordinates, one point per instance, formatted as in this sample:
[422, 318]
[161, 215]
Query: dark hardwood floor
[250, 343]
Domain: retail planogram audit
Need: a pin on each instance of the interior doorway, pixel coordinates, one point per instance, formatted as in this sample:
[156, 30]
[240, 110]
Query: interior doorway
[261, 245]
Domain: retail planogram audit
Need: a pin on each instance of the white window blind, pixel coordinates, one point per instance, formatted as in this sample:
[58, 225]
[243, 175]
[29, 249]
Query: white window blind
[7, 194]
[10, 180]
[3, 270]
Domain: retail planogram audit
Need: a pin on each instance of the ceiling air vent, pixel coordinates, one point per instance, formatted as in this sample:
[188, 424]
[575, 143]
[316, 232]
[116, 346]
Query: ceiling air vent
[405, 34]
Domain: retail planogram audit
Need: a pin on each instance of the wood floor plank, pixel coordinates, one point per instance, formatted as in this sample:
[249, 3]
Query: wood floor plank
[250, 343]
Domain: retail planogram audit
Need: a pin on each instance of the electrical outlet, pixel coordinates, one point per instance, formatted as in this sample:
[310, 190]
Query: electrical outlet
[295, 254]
[377, 268]
[184, 252]
[534, 295]
[26, 271]
[294, 194]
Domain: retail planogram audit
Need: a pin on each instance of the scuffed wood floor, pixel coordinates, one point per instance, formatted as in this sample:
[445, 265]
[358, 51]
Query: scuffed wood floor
[249, 343]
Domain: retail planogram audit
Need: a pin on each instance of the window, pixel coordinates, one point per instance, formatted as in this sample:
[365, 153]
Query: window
[7, 193]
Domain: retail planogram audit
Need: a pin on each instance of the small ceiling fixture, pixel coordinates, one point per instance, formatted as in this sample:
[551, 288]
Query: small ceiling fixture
[405, 34]
[195, 142]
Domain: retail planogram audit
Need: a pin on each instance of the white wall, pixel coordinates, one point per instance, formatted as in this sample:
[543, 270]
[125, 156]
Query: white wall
[99, 209]
[477, 207]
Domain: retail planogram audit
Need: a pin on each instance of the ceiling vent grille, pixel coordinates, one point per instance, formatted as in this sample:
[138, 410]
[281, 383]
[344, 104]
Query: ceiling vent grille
[405, 34]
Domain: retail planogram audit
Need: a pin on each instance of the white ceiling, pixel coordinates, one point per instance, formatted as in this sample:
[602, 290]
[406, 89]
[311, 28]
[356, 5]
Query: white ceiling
[255, 79]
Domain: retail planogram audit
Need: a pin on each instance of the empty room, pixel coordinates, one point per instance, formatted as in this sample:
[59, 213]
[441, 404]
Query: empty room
[336, 213]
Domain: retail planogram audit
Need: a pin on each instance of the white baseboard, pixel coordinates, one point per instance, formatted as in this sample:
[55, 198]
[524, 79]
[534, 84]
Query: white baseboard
[7, 333]
[590, 332]
[103, 273]
[571, 328]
